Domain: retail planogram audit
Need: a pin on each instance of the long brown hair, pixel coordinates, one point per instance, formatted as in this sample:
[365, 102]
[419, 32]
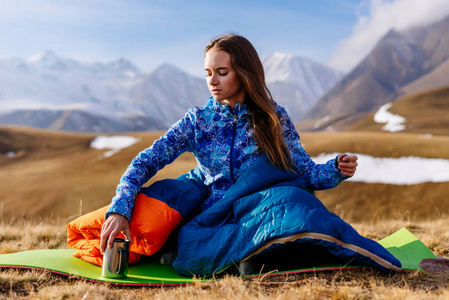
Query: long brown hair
[267, 126]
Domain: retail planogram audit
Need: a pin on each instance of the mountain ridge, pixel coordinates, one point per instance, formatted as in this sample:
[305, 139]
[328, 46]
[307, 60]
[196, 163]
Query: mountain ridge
[48, 91]
[399, 59]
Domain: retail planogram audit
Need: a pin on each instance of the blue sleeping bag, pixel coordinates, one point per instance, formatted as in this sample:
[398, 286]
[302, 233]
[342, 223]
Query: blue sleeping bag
[266, 208]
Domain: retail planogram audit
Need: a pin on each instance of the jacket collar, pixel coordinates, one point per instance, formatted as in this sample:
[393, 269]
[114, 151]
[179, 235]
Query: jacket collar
[240, 109]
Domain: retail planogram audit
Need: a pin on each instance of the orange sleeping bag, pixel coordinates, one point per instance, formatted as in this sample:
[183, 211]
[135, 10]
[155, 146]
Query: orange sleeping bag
[151, 224]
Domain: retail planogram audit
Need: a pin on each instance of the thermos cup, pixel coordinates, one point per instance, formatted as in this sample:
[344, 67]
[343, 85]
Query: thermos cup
[115, 259]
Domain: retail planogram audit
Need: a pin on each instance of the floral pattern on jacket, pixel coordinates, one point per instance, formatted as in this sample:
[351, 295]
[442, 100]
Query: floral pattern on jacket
[224, 146]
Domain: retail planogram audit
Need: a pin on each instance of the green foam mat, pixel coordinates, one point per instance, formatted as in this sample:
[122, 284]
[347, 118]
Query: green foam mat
[402, 244]
[62, 262]
[407, 248]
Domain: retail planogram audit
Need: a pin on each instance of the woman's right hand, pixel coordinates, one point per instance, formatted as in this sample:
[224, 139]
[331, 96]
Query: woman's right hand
[115, 224]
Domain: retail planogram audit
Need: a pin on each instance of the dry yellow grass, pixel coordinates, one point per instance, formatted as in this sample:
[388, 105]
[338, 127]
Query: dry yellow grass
[344, 284]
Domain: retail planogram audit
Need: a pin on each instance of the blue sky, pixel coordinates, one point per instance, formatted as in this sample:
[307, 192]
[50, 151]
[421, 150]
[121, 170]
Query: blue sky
[150, 33]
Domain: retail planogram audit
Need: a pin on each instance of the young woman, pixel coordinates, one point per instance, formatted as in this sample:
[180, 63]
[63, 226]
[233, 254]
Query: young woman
[238, 124]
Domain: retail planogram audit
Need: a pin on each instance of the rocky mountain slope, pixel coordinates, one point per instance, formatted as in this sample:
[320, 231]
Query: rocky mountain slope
[402, 62]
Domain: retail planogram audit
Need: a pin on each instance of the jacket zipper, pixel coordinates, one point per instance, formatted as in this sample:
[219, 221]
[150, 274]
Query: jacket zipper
[234, 129]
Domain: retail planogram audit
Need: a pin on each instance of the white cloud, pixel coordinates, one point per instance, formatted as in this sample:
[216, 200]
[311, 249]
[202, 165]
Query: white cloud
[383, 15]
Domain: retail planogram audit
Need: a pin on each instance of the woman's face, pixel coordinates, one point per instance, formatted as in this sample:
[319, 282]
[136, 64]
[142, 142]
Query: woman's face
[222, 80]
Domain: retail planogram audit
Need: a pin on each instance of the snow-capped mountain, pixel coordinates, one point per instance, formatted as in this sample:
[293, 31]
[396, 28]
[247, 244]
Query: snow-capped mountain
[49, 91]
[297, 83]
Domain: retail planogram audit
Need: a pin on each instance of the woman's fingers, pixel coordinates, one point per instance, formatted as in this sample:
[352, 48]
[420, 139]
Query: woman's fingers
[104, 236]
[111, 228]
[347, 164]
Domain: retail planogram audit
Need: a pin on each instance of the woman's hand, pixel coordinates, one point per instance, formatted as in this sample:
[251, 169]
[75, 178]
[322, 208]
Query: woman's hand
[347, 164]
[114, 225]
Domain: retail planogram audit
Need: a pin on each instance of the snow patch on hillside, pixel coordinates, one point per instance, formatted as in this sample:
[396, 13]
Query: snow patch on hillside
[393, 122]
[113, 143]
[398, 171]
[10, 154]
[321, 122]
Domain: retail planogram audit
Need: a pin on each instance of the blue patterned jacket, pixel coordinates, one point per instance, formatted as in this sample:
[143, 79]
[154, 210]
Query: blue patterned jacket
[224, 146]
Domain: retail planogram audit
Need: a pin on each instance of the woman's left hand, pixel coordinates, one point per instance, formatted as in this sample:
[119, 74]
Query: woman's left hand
[347, 164]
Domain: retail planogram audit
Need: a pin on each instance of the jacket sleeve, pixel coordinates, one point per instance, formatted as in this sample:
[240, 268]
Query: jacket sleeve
[317, 176]
[177, 140]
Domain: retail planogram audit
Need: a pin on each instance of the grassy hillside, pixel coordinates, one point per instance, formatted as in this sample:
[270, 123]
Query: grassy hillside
[58, 174]
[425, 112]
[55, 174]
